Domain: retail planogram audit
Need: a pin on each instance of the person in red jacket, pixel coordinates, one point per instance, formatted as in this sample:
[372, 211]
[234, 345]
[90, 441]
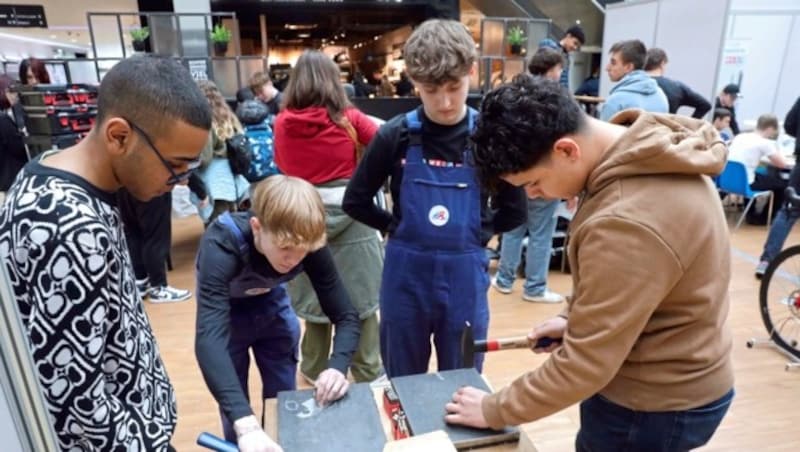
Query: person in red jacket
[318, 137]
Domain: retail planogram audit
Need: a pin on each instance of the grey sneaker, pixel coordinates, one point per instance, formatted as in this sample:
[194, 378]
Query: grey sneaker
[167, 294]
[499, 288]
[546, 297]
[761, 268]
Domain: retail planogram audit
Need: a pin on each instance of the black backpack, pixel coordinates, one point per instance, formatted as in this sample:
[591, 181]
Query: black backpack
[238, 149]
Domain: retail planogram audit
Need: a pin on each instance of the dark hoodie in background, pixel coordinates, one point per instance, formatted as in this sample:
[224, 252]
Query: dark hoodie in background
[679, 94]
[635, 90]
[309, 145]
[650, 253]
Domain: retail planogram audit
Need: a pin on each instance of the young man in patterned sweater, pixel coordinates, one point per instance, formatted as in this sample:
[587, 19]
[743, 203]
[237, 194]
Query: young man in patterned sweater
[63, 247]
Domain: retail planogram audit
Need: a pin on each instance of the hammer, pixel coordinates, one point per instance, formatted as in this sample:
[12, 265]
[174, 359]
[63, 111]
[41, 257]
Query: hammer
[469, 346]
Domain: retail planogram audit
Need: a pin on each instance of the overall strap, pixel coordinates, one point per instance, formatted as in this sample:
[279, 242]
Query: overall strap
[414, 128]
[473, 117]
[468, 157]
[227, 220]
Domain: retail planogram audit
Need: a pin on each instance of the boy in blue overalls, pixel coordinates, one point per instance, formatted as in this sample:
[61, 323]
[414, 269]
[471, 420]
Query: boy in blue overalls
[435, 274]
[244, 261]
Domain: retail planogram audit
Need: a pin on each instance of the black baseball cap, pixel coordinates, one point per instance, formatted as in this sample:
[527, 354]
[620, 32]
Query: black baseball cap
[732, 89]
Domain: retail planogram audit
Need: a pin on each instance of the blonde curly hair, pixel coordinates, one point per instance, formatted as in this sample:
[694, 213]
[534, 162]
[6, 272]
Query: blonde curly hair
[223, 121]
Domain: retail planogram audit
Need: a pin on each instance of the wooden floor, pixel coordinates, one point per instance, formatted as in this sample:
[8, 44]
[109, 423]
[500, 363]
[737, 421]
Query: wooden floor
[765, 414]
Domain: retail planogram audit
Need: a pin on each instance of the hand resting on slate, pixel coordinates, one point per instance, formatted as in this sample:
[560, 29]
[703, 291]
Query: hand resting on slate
[423, 398]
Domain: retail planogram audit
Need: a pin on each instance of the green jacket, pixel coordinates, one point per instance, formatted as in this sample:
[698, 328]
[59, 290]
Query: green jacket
[358, 254]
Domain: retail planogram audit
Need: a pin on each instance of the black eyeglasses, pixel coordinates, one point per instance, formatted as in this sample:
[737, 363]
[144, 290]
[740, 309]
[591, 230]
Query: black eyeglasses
[174, 178]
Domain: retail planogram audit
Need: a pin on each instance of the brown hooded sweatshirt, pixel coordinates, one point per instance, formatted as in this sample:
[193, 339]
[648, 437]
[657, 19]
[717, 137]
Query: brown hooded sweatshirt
[650, 259]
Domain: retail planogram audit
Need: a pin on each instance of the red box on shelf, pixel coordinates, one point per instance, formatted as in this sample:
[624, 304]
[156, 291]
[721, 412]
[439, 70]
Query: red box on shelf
[59, 119]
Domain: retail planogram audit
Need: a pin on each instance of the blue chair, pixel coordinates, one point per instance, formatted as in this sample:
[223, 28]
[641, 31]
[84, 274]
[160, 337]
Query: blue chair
[733, 180]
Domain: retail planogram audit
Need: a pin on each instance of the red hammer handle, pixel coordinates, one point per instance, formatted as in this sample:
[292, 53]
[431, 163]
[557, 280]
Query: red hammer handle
[491, 345]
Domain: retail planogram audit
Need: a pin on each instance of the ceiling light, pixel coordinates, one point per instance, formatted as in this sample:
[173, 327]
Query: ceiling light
[303, 35]
[300, 26]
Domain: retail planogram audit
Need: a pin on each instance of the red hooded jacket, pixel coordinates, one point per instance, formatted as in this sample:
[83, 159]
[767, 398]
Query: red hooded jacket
[309, 145]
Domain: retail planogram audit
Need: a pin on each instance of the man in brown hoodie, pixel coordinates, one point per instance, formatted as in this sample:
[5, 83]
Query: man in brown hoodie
[645, 346]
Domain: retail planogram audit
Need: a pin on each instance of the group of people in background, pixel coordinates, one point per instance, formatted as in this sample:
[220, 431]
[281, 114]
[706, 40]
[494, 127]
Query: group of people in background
[303, 235]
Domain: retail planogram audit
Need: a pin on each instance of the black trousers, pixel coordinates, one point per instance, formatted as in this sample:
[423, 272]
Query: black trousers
[148, 230]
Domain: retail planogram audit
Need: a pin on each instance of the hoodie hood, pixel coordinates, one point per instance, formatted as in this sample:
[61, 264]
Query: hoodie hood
[306, 123]
[637, 82]
[660, 144]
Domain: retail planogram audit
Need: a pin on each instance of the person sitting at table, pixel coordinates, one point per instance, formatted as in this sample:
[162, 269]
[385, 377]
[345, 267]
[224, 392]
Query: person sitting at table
[722, 122]
[753, 148]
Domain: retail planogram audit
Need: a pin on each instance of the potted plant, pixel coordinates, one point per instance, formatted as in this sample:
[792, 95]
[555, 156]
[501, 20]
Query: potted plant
[220, 36]
[516, 37]
[139, 36]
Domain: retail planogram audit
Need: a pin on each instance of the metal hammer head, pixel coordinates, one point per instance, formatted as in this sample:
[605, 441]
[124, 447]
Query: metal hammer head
[467, 347]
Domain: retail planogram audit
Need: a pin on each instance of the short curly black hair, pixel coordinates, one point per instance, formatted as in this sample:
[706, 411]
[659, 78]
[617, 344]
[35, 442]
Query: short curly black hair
[518, 125]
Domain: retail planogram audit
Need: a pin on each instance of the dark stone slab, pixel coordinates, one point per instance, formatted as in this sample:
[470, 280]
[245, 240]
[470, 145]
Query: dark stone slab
[349, 424]
[423, 398]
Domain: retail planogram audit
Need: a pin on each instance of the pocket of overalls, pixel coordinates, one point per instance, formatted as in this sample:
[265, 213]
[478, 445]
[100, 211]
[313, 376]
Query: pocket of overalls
[444, 212]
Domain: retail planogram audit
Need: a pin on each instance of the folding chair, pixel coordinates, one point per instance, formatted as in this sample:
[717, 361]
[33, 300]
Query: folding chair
[733, 180]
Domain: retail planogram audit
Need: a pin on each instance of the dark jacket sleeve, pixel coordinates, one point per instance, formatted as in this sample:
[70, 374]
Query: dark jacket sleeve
[691, 98]
[335, 303]
[508, 208]
[369, 177]
[13, 143]
[794, 115]
[217, 263]
[734, 123]
[12, 151]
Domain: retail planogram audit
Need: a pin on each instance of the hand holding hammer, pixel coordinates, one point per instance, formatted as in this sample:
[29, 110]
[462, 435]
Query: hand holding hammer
[551, 335]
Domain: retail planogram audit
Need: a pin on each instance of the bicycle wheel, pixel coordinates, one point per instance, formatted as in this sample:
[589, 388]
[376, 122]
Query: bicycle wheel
[779, 300]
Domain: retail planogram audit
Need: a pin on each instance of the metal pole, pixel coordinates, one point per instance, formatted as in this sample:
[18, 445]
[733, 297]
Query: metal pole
[121, 37]
[94, 46]
[180, 34]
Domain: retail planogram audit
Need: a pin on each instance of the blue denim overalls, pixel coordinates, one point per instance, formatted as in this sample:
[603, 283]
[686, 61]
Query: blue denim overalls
[262, 319]
[435, 274]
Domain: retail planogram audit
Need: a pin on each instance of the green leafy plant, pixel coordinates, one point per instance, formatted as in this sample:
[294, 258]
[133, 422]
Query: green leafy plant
[140, 34]
[220, 34]
[516, 36]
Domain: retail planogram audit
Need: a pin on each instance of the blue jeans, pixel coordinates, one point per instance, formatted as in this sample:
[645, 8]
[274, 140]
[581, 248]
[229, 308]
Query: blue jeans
[783, 222]
[540, 227]
[606, 426]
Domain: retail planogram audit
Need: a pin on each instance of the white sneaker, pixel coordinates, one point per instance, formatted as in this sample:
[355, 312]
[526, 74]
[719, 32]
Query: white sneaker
[499, 288]
[546, 297]
[761, 268]
[167, 294]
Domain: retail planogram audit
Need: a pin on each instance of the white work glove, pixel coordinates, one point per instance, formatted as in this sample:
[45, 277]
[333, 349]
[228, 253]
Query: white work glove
[252, 438]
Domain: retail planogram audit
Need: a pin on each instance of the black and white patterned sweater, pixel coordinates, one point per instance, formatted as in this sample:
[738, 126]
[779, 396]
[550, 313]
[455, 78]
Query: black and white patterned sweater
[98, 365]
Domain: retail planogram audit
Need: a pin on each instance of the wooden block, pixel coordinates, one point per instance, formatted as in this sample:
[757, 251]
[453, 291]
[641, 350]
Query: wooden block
[437, 441]
[351, 423]
[423, 398]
